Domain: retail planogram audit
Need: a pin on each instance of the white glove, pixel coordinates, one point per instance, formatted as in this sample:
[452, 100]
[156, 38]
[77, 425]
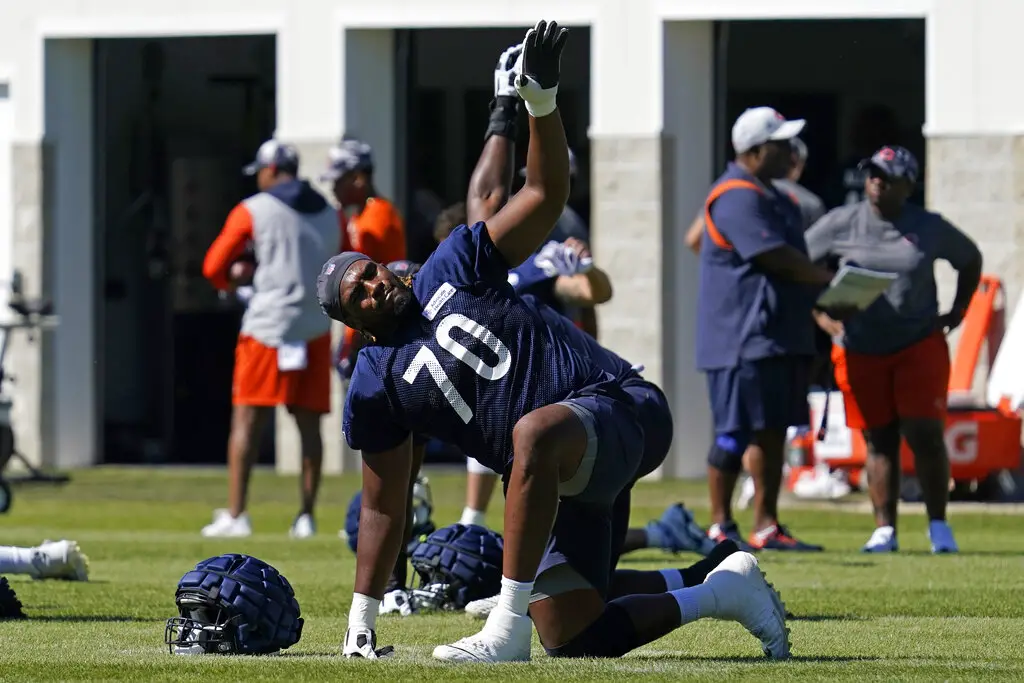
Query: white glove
[504, 76]
[556, 258]
[537, 70]
[396, 601]
[361, 642]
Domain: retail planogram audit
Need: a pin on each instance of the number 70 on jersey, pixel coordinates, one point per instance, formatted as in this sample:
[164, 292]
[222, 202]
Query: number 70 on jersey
[425, 358]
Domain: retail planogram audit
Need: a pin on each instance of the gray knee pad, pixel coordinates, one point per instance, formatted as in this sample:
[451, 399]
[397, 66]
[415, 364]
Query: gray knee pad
[727, 453]
[611, 635]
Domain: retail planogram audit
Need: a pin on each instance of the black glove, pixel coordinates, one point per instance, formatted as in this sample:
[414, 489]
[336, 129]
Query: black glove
[538, 70]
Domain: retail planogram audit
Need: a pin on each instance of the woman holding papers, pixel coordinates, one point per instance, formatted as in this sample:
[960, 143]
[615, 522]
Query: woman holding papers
[891, 360]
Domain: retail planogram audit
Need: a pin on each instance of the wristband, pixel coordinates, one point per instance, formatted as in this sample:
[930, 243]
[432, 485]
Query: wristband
[541, 102]
[363, 613]
[504, 118]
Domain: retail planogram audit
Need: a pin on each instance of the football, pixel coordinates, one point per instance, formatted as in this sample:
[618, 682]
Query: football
[241, 271]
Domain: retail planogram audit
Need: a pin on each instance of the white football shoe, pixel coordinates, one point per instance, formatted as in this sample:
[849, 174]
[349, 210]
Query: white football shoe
[941, 536]
[504, 638]
[396, 602]
[883, 540]
[481, 609]
[743, 594]
[226, 526]
[59, 560]
[303, 527]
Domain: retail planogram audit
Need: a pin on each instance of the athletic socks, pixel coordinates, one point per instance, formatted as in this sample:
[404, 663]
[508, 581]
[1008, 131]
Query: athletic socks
[14, 560]
[515, 596]
[513, 603]
[471, 516]
[696, 602]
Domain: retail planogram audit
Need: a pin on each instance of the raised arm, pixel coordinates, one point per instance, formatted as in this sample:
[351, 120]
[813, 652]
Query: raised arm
[491, 182]
[524, 222]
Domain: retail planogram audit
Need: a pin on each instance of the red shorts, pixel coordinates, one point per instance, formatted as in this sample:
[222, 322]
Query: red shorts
[877, 390]
[259, 382]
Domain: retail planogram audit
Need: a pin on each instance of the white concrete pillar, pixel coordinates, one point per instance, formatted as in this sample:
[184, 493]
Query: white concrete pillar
[331, 83]
[688, 98]
[651, 131]
[69, 416]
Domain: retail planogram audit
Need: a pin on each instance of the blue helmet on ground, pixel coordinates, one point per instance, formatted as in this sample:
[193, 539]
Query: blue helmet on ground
[457, 564]
[233, 604]
[422, 508]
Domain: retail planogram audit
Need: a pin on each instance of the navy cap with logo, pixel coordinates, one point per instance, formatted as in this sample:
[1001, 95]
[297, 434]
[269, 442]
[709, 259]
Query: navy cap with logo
[894, 161]
[328, 283]
[349, 155]
[272, 153]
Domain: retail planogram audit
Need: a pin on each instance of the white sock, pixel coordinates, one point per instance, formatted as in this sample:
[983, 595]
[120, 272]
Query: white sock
[471, 516]
[696, 602]
[15, 560]
[515, 596]
[513, 603]
[673, 579]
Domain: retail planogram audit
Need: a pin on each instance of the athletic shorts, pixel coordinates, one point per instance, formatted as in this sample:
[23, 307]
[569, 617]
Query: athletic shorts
[877, 390]
[259, 382]
[655, 419]
[581, 546]
[759, 395]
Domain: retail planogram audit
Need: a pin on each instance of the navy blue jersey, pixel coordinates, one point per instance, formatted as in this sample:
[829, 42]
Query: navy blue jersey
[529, 278]
[609, 361]
[471, 365]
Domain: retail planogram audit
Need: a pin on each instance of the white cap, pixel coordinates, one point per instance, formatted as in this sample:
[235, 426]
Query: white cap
[759, 125]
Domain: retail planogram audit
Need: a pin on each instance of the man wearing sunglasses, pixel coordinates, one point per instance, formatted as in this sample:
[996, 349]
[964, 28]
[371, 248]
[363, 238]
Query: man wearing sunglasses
[892, 361]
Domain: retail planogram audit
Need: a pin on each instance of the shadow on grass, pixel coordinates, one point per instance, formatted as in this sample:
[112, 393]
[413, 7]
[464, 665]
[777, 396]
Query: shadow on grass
[824, 617]
[963, 553]
[753, 659]
[93, 618]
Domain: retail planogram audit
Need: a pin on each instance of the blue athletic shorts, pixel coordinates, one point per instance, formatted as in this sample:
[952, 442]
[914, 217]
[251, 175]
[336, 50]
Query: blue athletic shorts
[765, 394]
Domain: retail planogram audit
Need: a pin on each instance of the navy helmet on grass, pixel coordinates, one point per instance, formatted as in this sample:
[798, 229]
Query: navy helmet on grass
[422, 509]
[233, 604]
[457, 564]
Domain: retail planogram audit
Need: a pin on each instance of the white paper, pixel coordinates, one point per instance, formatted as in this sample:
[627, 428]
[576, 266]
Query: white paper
[855, 287]
[838, 443]
[291, 357]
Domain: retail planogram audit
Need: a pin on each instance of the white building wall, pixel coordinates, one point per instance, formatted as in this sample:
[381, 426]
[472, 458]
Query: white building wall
[972, 74]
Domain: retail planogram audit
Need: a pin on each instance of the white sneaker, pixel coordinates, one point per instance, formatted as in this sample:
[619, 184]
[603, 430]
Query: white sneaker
[941, 537]
[481, 609]
[303, 527]
[504, 638]
[742, 594]
[883, 540]
[226, 526]
[60, 560]
[396, 602]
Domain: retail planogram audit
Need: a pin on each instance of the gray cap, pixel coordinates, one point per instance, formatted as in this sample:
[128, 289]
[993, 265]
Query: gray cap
[350, 155]
[328, 283]
[280, 155]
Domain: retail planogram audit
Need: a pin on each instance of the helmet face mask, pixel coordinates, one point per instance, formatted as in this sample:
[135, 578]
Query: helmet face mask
[202, 628]
[457, 564]
[233, 604]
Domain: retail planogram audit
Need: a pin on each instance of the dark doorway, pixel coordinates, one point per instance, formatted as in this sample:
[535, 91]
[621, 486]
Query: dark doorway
[831, 73]
[176, 120]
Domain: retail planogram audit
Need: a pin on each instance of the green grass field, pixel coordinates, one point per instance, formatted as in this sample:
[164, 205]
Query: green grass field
[903, 617]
